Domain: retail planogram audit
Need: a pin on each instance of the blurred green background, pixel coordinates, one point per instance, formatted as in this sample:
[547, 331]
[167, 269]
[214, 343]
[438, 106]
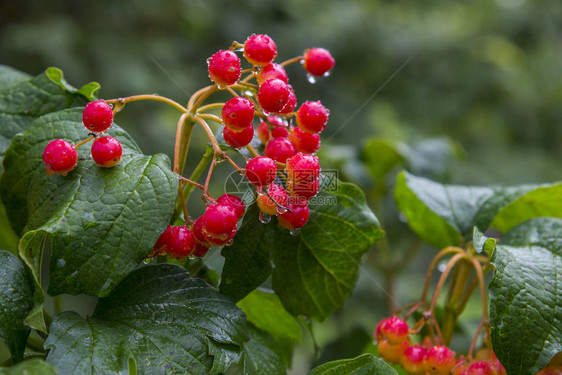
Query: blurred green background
[487, 75]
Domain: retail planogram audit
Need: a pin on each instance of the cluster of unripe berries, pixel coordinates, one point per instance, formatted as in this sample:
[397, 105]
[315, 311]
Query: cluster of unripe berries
[60, 156]
[395, 346]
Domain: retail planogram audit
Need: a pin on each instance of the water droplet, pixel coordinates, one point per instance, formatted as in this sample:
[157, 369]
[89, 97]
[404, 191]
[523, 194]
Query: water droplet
[260, 190]
[208, 61]
[295, 232]
[229, 243]
[442, 266]
[248, 93]
[402, 218]
[310, 78]
[266, 113]
[264, 218]
[281, 210]
[239, 49]
[220, 87]
[327, 74]
[147, 261]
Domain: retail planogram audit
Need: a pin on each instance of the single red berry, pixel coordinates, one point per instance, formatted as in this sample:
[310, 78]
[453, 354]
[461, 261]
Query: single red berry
[392, 353]
[97, 116]
[318, 61]
[273, 94]
[181, 242]
[393, 329]
[303, 167]
[235, 202]
[268, 206]
[60, 157]
[478, 368]
[279, 132]
[440, 360]
[291, 102]
[312, 117]
[219, 221]
[261, 171]
[160, 247]
[271, 71]
[238, 139]
[200, 236]
[238, 113]
[498, 369]
[259, 49]
[413, 360]
[224, 68]
[303, 189]
[263, 132]
[279, 149]
[107, 151]
[296, 216]
[305, 142]
[200, 250]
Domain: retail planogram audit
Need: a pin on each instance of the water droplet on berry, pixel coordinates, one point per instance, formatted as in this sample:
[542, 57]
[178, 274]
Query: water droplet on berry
[281, 210]
[264, 218]
[248, 93]
[220, 87]
[442, 266]
[229, 243]
[260, 190]
[239, 49]
[294, 232]
[310, 78]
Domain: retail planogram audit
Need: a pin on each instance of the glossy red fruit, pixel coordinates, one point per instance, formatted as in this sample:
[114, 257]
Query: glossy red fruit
[305, 142]
[219, 221]
[392, 353]
[97, 116]
[498, 369]
[263, 132]
[200, 250]
[107, 151]
[235, 202]
[224, 68]
[238, 113]
[60, 157]
[259, 49]
[273, 94]
[271, 71]
[303, 167]
[238, 139]
[160, 247]
[413, 360]
[303, 189]
[279, 149]
[291, 102]
[296, 217]
[268, 206]
[200, 236]
[440, 360]
[181, 242]
[279, 132]
[261, 171]
[478, 368]
[393, 329]
[318, 61]
[312, 117]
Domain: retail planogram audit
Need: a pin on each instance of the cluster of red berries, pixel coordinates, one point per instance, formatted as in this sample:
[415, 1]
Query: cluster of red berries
[60, 156]
[395, 346]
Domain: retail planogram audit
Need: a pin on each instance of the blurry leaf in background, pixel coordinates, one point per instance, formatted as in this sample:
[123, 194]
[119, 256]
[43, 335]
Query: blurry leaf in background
[366, 364]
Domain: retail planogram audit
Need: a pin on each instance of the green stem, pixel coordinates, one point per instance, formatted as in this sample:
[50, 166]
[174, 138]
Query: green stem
[185, 141]
[35, 344]
[58, 304]
[158, 98]
[455, 299]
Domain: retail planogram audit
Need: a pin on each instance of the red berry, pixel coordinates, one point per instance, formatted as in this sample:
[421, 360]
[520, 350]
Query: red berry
[263, 132]
[60, 157]
[318, 61]
[312, 117]
[259, 49]
[413, 360]
[393, 329]
[160, 247]
[97, 116]
[303, 167]
[273, 94]
[440, 360]
[238, 113]
[200, 250]
[291, 102]
[392, 353]
[266, 205]
[233, 201]
[305, 142]
[206, 239]
[296, 216]
[238, 139]
[219, 221]
[181, 242]
[271, 71]
[279, 132]
[498, 369]
[261, 171]
[224, 68]
[478, 368]
[107, 151]
[303, 189]
[279, 149]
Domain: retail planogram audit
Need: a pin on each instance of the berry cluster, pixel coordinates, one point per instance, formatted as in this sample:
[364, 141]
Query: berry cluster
[60, 156]
[395, 346]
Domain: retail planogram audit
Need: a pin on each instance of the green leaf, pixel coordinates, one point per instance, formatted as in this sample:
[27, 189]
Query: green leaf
[316, 270]
[265, 311]
[21, 103]
[260, 355]
[8, 238]
[247, 262]
[366, 364]
[101, 222]
[16, 301]
[10, 77]
[526, 295]
[160, 318]
[34, 366]
[380, 156]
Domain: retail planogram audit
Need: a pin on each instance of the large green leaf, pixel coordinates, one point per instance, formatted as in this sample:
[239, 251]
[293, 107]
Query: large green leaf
[445, 215]
[316, 270]
[16, 301]
[10, 77]
[34, 366]
[101, 222]
[8, 238]
[159, 320]
[366, 364]
[526, 295]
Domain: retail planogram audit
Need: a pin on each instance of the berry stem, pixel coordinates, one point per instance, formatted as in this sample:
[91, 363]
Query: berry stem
[202, 95]
[84, 141]
[158, 98]
[200, 120]
[246, 84]
[231, 91]
[292, 61]
[209, 106]
[443, 277]
[183, 137]
[186, 216]
[196, 184]
[235, 45]
[441, 254]
[209, 174]
[252, 150]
